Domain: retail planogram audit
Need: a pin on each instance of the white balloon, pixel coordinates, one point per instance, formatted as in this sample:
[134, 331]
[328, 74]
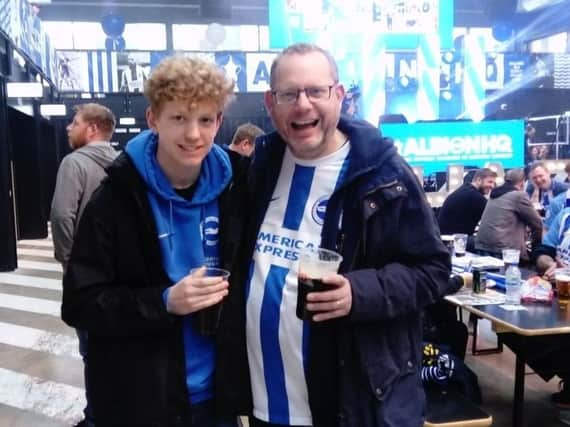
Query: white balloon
[206, 45]
[215, 33]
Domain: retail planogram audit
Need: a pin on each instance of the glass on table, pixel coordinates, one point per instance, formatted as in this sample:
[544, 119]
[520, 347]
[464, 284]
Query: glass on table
[459, 244]
[562, 281]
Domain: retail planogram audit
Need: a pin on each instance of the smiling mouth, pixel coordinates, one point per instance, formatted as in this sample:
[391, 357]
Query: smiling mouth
[307, 124]
[188, 148]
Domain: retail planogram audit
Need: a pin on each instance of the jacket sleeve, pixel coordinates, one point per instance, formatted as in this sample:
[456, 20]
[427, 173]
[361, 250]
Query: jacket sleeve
[96, 296]
[412, 270]
[528, 214]
[67, 197]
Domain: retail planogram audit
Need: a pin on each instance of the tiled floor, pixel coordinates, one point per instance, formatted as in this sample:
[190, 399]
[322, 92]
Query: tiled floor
[41, 375]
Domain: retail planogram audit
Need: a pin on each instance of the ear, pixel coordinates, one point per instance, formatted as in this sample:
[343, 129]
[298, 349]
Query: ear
[339, 91]
[269, 101]
[151, 119]
[219, 120]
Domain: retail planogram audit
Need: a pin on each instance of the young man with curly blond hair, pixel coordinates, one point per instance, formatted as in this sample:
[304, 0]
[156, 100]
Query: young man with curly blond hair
[165, 208]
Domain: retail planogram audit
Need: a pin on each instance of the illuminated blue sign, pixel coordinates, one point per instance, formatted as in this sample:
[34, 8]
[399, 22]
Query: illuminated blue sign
[401, 23]
[435, 145]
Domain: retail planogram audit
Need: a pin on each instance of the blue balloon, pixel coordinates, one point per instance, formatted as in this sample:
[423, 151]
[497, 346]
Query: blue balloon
[113, 25]
[502, 31]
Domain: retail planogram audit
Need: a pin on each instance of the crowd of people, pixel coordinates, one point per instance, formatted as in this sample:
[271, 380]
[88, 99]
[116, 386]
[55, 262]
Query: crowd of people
[135, 232]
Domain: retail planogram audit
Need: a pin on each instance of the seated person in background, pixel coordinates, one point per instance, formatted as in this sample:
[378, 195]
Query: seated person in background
[462, 209]
[556, 205]
[543, 188]
[243, 141]
[554, 251]
[506, 217]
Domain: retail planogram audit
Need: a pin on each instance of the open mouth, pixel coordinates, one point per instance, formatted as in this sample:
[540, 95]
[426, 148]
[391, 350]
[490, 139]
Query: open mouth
[306, 124]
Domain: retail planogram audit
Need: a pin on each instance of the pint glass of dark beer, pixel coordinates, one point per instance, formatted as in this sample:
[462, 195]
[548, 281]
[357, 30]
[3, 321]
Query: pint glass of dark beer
[206, 320]
[314, 264]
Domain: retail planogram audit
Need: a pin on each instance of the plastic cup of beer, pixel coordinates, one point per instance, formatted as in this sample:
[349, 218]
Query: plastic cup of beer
[562, 280]
[314, 264]
[459, 244]
[207, 320]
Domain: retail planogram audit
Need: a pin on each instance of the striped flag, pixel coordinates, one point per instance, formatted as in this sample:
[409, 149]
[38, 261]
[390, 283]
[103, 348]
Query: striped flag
[102, 71]
[6, 16]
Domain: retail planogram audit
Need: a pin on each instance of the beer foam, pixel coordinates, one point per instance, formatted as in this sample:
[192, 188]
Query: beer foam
[564, 277]
[318, 269]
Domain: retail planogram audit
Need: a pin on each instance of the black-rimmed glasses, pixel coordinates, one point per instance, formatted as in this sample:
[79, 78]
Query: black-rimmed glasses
[313, 93]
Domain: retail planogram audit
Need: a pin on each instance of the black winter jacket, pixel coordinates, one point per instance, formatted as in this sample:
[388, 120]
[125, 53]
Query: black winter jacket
[363, 369]
[113, 289]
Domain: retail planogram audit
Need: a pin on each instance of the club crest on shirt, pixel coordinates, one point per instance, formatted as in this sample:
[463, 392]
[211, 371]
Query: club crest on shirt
[209, 230]
[319, 209]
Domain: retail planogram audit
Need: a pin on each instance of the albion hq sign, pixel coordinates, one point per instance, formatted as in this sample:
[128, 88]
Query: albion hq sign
[437, 144]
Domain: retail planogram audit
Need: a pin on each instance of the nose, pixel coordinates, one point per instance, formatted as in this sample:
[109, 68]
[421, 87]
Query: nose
[302, 100]
[192, 130]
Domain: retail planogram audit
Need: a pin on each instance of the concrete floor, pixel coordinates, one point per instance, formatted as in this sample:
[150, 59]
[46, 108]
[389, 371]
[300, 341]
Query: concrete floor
[41, 375]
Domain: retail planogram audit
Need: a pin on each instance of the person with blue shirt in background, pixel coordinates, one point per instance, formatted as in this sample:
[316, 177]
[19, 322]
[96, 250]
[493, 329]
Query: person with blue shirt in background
[167, 206]
[545, 357]
[556, 205]
[543, 189]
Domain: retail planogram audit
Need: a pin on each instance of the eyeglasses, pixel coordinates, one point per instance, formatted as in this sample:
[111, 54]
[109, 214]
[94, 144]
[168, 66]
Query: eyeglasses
[313, 93]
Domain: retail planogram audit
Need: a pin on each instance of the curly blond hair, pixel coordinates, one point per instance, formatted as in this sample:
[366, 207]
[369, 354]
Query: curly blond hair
[179, 78]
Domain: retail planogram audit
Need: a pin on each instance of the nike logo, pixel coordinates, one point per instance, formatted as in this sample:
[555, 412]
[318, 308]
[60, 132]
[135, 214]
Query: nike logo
[274, 198]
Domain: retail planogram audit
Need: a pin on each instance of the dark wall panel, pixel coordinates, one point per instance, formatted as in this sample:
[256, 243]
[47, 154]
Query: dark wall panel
[48, 162]
[24, 140]
[8, 259]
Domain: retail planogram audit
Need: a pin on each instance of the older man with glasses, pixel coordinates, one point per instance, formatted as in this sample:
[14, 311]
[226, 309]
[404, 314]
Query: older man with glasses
[325, 181]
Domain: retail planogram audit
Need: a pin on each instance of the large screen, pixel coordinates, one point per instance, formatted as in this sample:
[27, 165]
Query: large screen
[401, 23]
[435, 145]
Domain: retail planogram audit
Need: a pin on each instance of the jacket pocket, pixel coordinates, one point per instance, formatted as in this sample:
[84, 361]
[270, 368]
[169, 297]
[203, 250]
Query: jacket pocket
[381, 383]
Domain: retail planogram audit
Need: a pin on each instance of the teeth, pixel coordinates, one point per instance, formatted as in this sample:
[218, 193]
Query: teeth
[306, 122]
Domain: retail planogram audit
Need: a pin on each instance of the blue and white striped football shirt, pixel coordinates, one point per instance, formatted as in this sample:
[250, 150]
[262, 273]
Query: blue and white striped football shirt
[277, 341]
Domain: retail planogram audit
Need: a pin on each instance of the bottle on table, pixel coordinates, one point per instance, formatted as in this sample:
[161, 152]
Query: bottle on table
[513, 284]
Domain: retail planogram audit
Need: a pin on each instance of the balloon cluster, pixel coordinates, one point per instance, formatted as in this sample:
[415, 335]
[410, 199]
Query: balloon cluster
[113, 25]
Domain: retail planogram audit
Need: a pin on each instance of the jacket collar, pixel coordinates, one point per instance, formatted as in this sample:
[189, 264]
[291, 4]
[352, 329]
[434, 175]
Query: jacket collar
[368, 151]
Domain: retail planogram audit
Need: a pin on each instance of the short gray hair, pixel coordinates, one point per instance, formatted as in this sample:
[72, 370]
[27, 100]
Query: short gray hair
[302, 49]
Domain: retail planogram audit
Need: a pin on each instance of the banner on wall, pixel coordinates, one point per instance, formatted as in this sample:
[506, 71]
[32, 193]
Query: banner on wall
[435, 145]
[515, 66]
[132, 70]
[72, 73]
[234, 65]
[562, 71]
[19, 20]
[258, 66]
[6, 16]
[87, 71]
